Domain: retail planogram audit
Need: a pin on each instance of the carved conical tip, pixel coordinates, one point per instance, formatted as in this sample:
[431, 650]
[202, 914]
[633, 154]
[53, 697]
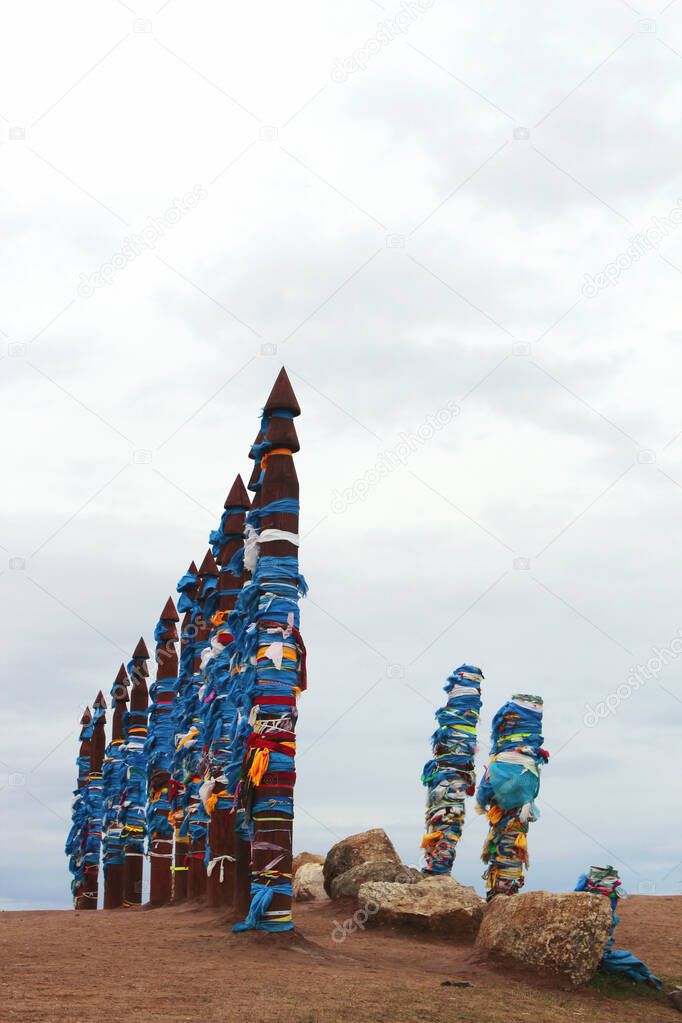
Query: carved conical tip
[169, 614]
[141, 649]
[208, 565]
[192, 570]
[87, 717]
[122, 677]
[99, 700]
[238, 496]
[260, 437]
[282, 397]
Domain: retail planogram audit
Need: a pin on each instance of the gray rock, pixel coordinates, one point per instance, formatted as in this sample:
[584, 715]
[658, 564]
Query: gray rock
[437, 904]
[305, 857]
[357, 849]
[675, 999]
[308, 884]
[347, 885]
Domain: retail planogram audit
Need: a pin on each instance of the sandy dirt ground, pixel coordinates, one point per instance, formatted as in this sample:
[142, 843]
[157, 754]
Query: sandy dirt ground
[184, 964]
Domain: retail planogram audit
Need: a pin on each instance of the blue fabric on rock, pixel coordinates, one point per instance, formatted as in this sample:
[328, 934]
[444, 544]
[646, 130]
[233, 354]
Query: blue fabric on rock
[606, 882]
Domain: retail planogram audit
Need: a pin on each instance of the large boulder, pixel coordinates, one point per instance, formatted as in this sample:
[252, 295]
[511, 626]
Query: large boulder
[308, 884]
[347, 885]
[305, 857]
[437, 904]
[356, 849]
[561, 934]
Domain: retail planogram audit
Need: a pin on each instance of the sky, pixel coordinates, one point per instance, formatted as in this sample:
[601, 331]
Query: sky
[459, 227]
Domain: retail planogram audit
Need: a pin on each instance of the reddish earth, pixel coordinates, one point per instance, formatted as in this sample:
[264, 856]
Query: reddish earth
[184, 964]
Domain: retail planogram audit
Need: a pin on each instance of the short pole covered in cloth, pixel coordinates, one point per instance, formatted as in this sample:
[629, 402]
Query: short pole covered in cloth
[113, 777]
[134, 818]
[159, 753]
[93, 801]
[269, 770]
[451, 776]
[606, 882]
[75, 843]
[188, 588]
[508, 790]
[219, 710]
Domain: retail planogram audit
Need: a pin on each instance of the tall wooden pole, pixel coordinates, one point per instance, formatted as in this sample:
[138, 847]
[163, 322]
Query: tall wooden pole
[75, 843]
[220, 711]
[159, 750]
[195, 809]
[113, 776]
[93, 838]
[243, 674]
[269, 771]
[188, 588]
[134, 819]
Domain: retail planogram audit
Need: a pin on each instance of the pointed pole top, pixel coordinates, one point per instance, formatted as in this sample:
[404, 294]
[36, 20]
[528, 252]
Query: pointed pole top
[169, 614]
[99, 701]
[238, 496]
[87, 717]
[282, 397]
[141, 649]
[119, 690]
[122, 677]
[192, 570]
[208, 565]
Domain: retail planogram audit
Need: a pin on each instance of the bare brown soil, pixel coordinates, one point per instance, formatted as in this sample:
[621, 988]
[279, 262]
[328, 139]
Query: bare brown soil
[184, 964]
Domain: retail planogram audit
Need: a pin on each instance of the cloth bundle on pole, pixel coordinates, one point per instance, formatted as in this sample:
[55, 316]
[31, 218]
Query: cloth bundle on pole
[188, 606]
[159, 753]
[133, 815]
[191, 740]
[219, 710]
[267, 787]
[508, 790]
[75, 843]
[113, 785]
[450, 776]
[605, 881]
[93, 807]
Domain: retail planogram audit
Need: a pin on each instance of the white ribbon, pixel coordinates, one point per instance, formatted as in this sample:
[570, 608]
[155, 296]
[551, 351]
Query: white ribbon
[221, 861]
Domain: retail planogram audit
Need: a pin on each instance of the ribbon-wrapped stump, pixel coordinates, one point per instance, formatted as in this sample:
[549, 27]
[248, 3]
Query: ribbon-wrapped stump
[450, 776]
[508, 790]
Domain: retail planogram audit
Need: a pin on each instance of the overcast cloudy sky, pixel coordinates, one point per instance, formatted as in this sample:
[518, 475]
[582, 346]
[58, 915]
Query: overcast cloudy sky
[442, 213]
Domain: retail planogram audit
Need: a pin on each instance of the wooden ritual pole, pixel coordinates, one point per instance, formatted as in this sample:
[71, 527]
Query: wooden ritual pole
[188, 587]
[244, 613]
[159, 749]
[220, 715]
[198, 818]
[93, 838]
[113, 774]
[75, 843]
[280, 672]
[134, 819]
